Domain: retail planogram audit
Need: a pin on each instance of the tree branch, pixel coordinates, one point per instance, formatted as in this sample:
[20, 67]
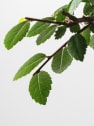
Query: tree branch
[64, 45]
[73, 19]
[45, 21]
[49, 57]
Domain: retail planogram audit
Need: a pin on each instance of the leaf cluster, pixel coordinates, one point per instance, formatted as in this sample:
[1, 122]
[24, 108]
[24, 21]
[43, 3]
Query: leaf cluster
[57, 25]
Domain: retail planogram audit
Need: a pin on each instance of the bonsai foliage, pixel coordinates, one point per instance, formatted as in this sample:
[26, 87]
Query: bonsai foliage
[73, 49]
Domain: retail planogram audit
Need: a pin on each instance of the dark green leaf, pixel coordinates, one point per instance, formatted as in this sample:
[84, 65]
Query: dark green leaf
[86, 35]
[75, 28]
[29, 65]
[88, 1]
[46, 34]
[74, 4]
[60, 32]
[92, 41]
[85, 1]
[40, 86]
[91, 1]
[88, 9]
[38, 27]
[77, 46]
[61, 61]
[16, 34]
[92, 27]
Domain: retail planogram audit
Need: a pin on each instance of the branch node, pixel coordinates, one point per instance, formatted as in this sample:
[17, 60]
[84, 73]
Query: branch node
[71, 17]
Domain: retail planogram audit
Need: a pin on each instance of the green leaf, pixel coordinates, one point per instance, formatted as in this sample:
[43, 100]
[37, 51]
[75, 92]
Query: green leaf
[88, 9]
[29, 65]
[86, 35]
[58, 13]
[75, 28]
[60, 32]
[74, 4]
[61, 61]
[38, 27]
[46, 34]
[92, 42]
[40, 86]
[88, 1]
[16, 34]
[77, 46]
[92, 27]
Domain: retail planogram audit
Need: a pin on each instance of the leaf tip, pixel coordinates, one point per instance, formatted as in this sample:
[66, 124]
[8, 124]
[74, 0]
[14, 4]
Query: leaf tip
[15, 78]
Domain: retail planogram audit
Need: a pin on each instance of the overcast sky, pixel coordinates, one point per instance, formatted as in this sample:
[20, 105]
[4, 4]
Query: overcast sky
[71, 100]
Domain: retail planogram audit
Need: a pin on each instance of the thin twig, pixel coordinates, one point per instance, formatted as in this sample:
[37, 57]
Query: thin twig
[49, 57]
[73, 18]
[84, 28]
[45, 21]
[61, 47]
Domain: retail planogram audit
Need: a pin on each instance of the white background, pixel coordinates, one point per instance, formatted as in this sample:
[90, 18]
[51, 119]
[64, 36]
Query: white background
[71, 100]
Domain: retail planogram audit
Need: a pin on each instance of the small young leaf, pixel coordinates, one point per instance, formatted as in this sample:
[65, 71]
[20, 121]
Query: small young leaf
[61, 61]
[40, 86]
[46, 34]
[16, 34]
[77, 46]
[74, 4]
[92, 41]
[29, 65]
[22, 20]
[38, 27]
[75, 28]
[86, 35]
[60, 32]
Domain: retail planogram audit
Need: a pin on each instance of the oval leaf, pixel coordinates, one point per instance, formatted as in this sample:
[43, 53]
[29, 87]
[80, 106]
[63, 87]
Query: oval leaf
[29, 65]
[61, 61]
[60, 32]
[74, 4]
[75, 28]
[16, 34]
[46, 34]
[77, 46]
[40, 86]
[38, 27]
